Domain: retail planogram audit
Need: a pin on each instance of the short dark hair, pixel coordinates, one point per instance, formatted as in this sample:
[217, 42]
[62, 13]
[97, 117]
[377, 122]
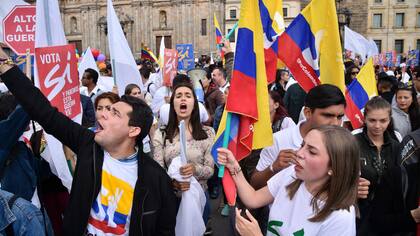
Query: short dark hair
[114, 98]
[129, 88]
[141, 116]
[221, 70]
[323, 96]
[180, 79]
[8, 104]
[145, 71]
[93, 74]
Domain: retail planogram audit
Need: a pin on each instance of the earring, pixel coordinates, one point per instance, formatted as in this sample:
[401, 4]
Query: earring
[329, 172]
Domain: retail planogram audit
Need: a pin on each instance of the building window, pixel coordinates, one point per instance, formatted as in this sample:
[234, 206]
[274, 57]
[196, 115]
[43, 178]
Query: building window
[418, 19]
[418, 44]
[285, 12]
[378, 45]
[203, 27]
[400, 0]
[399, 20]
[399, 46]
[378, 1]
[377, 21]
[232, 14]
[232, 36]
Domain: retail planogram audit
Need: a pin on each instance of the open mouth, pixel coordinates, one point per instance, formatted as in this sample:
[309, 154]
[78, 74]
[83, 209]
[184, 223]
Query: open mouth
[183, 107]
[99, 127]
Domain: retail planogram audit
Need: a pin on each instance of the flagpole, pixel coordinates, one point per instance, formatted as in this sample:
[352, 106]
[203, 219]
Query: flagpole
[28, 64]
[47, 22]
[232, 30]
[226, 135]
[114, 72]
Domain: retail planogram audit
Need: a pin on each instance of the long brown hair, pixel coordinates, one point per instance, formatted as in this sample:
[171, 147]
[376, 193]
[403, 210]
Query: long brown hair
[341, 188]
[171, 131]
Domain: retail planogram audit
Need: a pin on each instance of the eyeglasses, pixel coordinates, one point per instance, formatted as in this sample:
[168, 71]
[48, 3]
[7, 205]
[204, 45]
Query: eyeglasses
[354, 72]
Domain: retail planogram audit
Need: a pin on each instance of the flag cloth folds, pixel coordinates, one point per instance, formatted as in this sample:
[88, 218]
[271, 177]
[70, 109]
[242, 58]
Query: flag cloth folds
[308, 35]
[271, 14]
[124, 66]
[356, 43]
[49, 32]
[219, 36]
[250, 124]
[146, 53]
[360, 91]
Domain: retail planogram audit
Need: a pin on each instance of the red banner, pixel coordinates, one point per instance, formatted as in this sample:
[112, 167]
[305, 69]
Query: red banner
[58, 77]
[170, 65]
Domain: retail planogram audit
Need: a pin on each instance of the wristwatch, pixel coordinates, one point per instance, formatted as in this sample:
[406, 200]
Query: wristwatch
[4, 62]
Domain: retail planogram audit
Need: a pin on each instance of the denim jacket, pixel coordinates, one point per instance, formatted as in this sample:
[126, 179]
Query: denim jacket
[26, 219]
[19, 177]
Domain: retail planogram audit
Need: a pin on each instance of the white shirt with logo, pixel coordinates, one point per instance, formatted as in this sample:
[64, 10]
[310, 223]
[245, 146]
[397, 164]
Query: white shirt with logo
[290, 217]
[110, 213]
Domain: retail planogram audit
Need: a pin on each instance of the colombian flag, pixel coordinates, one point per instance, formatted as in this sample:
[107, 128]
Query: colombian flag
[271, 14]
[146, 53]
[310, 47]
[360, 91]
[219, 36]
[248, 95]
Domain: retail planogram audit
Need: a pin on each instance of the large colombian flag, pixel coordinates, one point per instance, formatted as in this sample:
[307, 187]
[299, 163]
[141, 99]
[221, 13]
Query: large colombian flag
[219, 36]
[248, 95]
[311, 49]
[271, 14]
[311, 46]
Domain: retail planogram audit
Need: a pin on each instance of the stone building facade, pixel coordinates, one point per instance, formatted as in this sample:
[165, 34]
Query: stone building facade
[394, 24]
[144, 22]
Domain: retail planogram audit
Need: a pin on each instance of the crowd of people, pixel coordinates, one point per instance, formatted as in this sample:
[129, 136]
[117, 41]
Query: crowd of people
[320, 177]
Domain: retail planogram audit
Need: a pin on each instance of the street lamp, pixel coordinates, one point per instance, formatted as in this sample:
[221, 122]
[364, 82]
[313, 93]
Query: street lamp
[344, 17]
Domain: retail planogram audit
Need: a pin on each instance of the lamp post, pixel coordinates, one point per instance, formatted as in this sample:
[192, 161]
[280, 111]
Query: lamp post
[344, 18]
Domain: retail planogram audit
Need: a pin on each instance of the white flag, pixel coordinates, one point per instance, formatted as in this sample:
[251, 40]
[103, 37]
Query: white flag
[49, 32]
[162, 51]
[88, 61]
[5, 7]
[124, 66]
[356, 43]
[373, 49]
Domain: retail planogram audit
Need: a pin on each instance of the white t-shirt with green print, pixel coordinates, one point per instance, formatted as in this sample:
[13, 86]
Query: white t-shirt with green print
[290, 217]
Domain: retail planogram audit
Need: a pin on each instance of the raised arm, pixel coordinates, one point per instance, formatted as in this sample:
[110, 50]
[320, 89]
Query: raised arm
[247, 194]
[40, 109]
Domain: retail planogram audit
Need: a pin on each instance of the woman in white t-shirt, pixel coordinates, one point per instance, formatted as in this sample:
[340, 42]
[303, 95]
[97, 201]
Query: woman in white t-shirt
[315, 196]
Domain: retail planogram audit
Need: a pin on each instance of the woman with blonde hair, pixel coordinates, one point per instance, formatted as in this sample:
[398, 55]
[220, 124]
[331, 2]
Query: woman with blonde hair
[315, 196]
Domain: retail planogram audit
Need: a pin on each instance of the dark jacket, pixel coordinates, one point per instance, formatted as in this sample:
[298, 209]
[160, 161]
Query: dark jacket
[410, 168]
[389, 214]
[374, 165]
[17, 163]
[213, 98]
[88, 118]
[153, 210]
[294, 100]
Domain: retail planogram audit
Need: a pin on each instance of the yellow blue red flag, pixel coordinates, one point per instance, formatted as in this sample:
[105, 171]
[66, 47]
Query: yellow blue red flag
[219, 36]
[248, 94]
[310, 47]
[361, 90]
[271, 14]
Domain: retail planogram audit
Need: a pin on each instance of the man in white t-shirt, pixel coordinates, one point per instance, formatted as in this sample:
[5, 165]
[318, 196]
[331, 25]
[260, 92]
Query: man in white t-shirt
[324, 105]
